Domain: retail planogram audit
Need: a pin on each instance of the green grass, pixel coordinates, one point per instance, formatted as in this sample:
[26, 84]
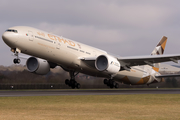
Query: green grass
[91, 107]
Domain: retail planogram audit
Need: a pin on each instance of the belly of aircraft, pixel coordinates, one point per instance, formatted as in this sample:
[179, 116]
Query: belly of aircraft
[133, 77]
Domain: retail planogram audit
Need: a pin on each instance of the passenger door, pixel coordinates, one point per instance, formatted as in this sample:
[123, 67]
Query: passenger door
[31, 36]
[58, 45]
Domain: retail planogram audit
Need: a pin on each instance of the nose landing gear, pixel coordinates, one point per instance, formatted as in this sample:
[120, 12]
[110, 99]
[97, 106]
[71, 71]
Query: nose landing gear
[16, 61]
[16, 53]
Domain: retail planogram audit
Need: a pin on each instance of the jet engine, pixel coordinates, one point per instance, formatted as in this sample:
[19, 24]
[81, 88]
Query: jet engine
[107, 63]
[38, 66]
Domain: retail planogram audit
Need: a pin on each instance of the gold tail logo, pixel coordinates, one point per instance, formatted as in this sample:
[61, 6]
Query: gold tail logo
[159, 49]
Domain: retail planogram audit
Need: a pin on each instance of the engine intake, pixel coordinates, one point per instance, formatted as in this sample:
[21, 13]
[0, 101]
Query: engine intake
[107, 63]
[38, 66]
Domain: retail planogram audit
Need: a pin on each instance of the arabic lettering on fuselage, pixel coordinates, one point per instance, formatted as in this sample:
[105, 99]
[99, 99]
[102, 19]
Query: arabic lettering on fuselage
[64, 40]
[53, 37]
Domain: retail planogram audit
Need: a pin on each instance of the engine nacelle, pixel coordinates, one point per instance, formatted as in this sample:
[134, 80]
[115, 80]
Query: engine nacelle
[38, 66]
[107, 63]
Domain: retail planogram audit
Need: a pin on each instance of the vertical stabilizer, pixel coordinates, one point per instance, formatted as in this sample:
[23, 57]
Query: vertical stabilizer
[159, 49]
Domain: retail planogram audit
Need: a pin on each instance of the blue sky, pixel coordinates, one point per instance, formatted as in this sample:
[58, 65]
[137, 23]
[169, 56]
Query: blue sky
[122, 27]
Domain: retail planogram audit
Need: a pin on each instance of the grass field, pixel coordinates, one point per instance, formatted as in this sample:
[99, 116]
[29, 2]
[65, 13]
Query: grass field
[91, 107]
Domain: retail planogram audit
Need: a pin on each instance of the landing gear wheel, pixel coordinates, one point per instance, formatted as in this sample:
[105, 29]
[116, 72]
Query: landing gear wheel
[78, 86]
[105, 81]
[113, 83]
[16, 61]
[73, 86]
[117, 85]
[111, 86]
[67, 82]
[72, 82]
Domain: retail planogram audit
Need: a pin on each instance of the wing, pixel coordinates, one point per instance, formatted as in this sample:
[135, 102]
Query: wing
[90, 61]
[127, 62]
[147, 60]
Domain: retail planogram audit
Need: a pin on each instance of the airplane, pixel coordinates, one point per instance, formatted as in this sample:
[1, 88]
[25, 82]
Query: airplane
[49, 50]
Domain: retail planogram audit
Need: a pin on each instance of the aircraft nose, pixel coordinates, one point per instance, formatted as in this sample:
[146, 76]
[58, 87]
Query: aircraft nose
[8, 38]
[5, 36]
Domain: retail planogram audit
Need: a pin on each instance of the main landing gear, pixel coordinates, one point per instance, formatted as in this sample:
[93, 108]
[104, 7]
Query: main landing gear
[72, 82]
[111, 83]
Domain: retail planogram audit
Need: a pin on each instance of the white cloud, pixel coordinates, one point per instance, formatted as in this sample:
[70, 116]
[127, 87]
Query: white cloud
[118, 26]
[92, 13]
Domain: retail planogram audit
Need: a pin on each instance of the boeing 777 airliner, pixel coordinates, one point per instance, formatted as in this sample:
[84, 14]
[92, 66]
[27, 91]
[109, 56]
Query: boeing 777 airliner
[49, 50]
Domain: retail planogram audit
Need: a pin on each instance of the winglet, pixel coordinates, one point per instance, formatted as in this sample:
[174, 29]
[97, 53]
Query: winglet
[159, 49]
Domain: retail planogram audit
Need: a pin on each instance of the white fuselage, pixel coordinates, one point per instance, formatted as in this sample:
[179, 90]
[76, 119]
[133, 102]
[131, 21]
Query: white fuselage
[68, 54]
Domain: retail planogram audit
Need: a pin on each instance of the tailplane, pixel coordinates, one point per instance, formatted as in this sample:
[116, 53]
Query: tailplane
[159, 49]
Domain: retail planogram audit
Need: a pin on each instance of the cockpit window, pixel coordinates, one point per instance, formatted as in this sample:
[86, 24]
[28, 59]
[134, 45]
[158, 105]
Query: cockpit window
[11, 30]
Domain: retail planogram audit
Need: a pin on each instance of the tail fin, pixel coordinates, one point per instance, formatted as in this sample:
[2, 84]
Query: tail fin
[159, 49]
